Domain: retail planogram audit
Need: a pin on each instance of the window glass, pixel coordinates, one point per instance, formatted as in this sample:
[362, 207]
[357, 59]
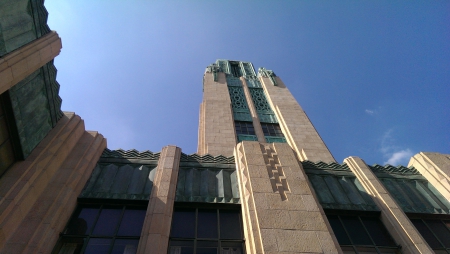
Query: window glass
[440, 230]
[377, 231]
[183, 223]
[125, 246]
[426, 233]
[96, 230]
[82, 224]
[107, 222]
[98, 246]
[218, 230]
[207, 224]
[362, 234]
[132, 222]
[230, 226]
[355, 230]
[181, 247]
[338, 230]
[207, 247]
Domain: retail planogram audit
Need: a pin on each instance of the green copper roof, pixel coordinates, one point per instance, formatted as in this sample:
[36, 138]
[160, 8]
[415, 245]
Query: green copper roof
[130, 154]
[337, 187]
[211, 185]
[126, 182]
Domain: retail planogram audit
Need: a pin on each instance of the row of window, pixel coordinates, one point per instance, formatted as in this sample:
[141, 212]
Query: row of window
[116, 229]
[269, 129]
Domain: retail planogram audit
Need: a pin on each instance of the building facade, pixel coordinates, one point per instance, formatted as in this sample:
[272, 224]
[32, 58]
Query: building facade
[262, 180]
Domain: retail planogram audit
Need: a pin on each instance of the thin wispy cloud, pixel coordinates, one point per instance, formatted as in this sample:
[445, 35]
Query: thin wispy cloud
[370, 112]
[394, 153]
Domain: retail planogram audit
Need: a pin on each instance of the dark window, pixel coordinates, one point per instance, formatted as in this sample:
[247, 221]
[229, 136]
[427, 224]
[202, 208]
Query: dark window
[245, 128]
[235, 69]
[204, 231]
[9, 152]
[436, 232]
[103, 229]
[362, 234]
[272, 129]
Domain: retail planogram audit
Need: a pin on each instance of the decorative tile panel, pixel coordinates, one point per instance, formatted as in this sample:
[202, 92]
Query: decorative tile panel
[265, 112]
[242, 137]
[270, 139]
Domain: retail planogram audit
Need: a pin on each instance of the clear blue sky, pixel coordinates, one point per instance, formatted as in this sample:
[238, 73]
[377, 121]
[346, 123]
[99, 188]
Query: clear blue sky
[373, 76]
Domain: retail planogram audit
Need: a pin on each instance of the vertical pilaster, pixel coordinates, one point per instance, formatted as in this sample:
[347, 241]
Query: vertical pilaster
[156, 228]
[395, 220]
[295, 124]
[435, 167]
[216, 131]
[255, 118]
[280, 212]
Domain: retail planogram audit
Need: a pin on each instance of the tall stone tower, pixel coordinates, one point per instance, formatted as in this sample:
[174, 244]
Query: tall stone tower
[239, 104]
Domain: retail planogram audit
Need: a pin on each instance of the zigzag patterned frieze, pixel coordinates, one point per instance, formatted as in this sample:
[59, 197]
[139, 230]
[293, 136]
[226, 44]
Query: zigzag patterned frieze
[207, 158]
[275, 171]
[325, 166]
[130, 154]
[394, 170]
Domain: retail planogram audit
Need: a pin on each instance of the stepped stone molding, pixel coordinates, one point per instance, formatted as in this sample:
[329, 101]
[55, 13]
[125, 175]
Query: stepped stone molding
[435, 167]
[22, 62]
[392, 216]
[273, 224]
[39, 194]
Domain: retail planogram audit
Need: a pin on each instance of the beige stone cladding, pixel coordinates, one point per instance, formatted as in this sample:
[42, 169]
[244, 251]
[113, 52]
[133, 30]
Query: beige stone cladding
[23, 61]
[39, 194]
[392, 216]
[435, 167]
[295, 124]
[156, 228]
[280, 212]
[216, 129]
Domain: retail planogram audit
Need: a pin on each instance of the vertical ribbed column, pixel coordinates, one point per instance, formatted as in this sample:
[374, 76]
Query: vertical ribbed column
[395, 220]
[156, 229]
[295, 124]
[280, 212]
[255, 118]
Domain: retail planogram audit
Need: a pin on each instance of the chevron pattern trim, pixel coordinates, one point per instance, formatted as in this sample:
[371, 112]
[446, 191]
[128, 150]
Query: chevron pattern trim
[130, 154]
[207, 158]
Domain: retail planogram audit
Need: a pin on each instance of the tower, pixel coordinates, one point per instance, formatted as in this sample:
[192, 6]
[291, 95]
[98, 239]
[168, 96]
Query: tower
[240, 104]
